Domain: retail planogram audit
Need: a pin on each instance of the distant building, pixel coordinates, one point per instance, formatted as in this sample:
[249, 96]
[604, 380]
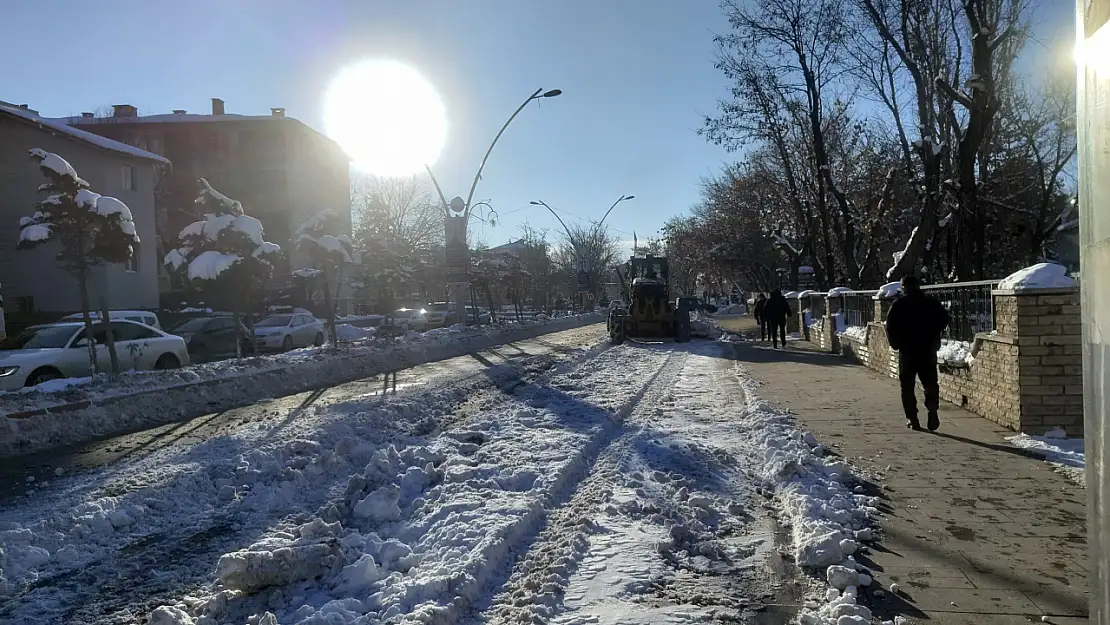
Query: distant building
[35, 287]
[282, 170]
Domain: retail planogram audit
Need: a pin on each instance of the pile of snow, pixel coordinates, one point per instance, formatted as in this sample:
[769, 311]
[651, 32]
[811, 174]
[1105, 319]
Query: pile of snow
[1039, 276]
[837, 291]
[828, 519]
[856, 333]
[1065, 454]
[809, 320]
[888, 290]
[838, 322]
[955, 351]
[146, 398]
[346, 332]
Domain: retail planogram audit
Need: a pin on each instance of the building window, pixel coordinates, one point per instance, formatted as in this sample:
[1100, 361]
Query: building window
[127, 177]
[132, 264]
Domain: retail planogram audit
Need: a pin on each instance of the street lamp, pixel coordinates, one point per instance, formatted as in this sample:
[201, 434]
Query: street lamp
[457, 212]
[582, 263]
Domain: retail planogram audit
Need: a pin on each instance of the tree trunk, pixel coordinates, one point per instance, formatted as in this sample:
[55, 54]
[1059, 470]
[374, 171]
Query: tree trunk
[106, 318]
[83, 283]
[333, 339]
[238, 324]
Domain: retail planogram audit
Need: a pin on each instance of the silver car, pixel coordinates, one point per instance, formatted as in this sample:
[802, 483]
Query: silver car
[289, 331]
[61, 350]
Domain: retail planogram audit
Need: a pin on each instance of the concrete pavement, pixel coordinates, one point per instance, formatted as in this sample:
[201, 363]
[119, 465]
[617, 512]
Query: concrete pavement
[976, 531]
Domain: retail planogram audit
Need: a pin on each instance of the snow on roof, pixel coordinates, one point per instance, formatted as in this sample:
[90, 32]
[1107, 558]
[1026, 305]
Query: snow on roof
[81, 135]
[888, 290]
[837, 291]
[1039, 276]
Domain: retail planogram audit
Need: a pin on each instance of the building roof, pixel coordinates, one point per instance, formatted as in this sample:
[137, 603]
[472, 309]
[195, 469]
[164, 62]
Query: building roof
[53, 125]
[184, 118]
[511, 247]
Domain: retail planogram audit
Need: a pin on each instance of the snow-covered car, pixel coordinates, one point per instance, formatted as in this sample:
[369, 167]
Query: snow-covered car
[60, 350]
[410, 319]
[144, 317]
[286, 332]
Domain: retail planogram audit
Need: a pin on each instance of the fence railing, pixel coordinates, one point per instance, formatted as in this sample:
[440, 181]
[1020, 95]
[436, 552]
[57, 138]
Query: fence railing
[816, 305]
[858, 308]
[970, 307]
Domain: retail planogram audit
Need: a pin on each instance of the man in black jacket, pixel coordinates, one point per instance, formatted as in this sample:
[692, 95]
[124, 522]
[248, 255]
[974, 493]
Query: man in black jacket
[913, 327]
[760, 319]
[775, 313]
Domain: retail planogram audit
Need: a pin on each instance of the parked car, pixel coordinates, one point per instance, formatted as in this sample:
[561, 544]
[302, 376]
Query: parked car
[60, 350]
[213, 338]
[144, 317]
[440, 314]
[480, 316]
[616, 304]
[410, 319]
[286, 332]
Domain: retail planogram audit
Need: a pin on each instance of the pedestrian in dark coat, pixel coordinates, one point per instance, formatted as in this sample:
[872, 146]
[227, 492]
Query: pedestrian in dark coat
[760, 303]
[914, 326]
[775, 312]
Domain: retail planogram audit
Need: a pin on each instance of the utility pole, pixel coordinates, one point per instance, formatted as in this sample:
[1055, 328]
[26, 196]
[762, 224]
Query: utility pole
[457, 216]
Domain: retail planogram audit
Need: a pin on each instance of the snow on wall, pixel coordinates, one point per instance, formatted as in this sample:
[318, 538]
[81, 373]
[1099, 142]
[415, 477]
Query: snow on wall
[1039, 276]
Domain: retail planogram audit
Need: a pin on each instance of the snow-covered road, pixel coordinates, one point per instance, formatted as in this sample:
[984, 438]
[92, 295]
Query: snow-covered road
[564, 482]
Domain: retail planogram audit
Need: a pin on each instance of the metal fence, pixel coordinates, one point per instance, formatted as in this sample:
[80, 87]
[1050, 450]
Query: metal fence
[816, 305]
[970, 307]
[858, 308]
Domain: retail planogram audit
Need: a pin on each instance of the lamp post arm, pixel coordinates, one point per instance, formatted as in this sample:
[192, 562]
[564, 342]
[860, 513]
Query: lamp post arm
[619, 200]
[442, 198]
[478, 176]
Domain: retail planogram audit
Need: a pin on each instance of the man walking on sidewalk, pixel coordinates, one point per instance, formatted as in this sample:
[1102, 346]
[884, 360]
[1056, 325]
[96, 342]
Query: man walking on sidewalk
[760, 319]
[775, 313]
[913, 327]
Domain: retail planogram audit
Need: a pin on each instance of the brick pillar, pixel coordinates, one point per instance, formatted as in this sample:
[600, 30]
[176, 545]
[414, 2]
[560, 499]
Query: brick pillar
[832, 307]
[1047, 330]
[882, 307]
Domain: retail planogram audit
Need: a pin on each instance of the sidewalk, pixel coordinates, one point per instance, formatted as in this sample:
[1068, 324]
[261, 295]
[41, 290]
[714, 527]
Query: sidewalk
[977, 531]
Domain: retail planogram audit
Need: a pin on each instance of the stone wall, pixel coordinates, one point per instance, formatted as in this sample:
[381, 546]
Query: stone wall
[1025, 375]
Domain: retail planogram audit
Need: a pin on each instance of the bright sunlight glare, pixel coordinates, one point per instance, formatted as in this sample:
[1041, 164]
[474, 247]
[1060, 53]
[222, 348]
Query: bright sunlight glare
[386, 116]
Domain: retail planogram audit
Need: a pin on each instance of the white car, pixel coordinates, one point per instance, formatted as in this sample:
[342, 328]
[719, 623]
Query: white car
[144, 317]
[60, 350]
[286, 332]
[410, 319]
[439, 314]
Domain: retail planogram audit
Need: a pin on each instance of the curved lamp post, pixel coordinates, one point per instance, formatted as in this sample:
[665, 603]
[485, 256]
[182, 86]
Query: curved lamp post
[457, 211]
[593, 232]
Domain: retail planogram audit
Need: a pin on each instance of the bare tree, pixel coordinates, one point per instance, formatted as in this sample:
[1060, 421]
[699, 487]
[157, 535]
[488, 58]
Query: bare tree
[405, 207]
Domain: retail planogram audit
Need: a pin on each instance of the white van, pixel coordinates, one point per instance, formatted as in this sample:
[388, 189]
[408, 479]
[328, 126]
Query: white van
[144, 317]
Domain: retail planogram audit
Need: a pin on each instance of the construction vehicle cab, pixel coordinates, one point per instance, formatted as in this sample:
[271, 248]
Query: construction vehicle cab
[650, 311]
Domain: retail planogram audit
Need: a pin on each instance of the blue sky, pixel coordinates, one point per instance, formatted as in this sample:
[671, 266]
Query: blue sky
[637, 77]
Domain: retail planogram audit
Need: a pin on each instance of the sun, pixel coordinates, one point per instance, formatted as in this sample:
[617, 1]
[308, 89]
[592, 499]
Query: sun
[386, 116]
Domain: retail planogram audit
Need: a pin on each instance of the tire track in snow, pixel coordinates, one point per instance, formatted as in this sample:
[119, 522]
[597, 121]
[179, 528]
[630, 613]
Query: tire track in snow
[537, 580]
[707, 543]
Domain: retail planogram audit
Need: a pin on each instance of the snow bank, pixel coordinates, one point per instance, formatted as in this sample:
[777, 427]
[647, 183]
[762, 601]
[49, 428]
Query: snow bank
[1065, 454]
[1039, 276]
[955, 351]
[346, 332]
[99, 407]
[888, 290]
[856, 333]
[816, 497]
